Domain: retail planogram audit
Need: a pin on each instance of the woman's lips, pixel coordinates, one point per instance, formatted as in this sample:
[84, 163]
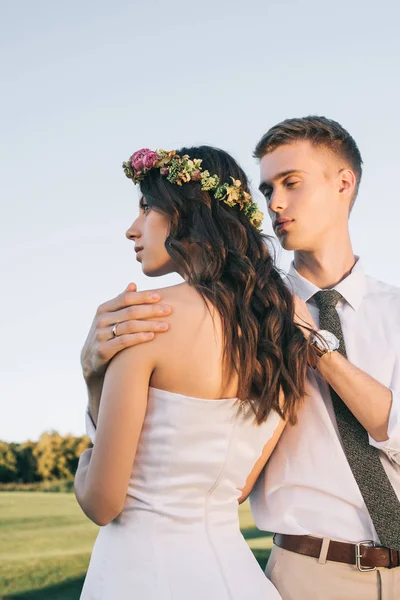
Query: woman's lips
[281, 226]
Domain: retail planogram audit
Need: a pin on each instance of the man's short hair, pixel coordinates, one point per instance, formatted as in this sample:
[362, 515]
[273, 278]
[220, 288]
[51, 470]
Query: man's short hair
[321, 132]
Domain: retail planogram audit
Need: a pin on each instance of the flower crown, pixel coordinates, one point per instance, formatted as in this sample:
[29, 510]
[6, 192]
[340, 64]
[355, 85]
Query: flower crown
[182, 169]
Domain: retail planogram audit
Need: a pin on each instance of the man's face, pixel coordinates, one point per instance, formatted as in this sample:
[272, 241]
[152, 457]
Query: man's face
[302, 186]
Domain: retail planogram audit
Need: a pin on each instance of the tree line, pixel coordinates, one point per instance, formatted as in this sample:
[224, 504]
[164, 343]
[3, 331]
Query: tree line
[53, 457]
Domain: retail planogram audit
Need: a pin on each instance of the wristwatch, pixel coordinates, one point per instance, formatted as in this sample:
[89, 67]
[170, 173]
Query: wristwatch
[322, 342]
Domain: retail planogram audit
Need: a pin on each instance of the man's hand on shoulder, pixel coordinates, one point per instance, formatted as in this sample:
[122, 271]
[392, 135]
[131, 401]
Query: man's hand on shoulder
[127, 320]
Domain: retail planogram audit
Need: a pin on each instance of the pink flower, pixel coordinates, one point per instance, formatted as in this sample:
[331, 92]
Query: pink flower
[143, 159]
[164, 171]
[149, 159]
[137, 160]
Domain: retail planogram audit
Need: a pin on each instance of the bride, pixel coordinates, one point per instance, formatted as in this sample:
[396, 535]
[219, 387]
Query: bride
[187, 422]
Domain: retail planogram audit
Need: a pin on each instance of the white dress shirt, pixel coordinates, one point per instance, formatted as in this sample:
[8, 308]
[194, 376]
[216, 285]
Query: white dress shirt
[307, 486]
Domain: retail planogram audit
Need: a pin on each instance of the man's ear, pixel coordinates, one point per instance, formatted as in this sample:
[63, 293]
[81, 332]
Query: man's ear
[347, 182]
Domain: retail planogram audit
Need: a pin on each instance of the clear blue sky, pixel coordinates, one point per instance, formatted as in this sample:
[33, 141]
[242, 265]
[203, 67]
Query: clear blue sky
[87, 83]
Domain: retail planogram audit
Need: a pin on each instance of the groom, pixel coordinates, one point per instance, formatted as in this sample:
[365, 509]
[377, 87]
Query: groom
[331, 490]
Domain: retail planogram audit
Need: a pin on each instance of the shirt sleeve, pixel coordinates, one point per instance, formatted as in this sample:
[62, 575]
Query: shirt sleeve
[391, 446]
[90, 426]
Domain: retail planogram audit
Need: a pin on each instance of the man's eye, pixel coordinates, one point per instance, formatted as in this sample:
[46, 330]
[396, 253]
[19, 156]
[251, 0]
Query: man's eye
[145, 208]
[291, 183]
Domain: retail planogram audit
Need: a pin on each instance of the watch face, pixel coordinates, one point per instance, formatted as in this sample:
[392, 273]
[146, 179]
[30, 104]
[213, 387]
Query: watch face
[330, 339]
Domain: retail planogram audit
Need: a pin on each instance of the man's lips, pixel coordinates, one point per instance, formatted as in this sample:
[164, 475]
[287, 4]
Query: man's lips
[281, 224]
[138, 249]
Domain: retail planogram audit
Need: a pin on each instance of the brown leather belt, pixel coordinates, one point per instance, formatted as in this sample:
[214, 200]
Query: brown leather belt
[366, 556]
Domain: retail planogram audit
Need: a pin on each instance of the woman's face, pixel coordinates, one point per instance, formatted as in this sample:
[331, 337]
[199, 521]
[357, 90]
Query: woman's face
[149, 232]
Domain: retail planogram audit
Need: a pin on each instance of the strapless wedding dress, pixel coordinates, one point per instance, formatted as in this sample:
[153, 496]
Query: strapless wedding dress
[178, 537]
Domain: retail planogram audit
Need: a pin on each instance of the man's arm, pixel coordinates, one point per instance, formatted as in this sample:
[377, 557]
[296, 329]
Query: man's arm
[261, 462]
[132, 311]
[94, 388]
[376, 406]
[369, 401]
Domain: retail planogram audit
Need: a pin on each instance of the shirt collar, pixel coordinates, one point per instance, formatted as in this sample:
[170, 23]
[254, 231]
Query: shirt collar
[352, 288]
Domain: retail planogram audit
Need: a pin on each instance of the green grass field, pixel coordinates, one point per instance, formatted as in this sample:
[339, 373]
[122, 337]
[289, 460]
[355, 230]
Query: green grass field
[45, 545]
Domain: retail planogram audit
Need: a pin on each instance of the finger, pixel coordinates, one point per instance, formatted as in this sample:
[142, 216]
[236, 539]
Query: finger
[300, 322]
[129, 327]
[106, 350]
[302, 319]
[133, 339]
[134, 313]
[131, 287]
[129, 299]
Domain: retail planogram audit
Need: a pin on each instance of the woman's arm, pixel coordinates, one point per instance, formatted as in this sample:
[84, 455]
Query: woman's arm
[261, 462]
[102, 478]
[134, 312]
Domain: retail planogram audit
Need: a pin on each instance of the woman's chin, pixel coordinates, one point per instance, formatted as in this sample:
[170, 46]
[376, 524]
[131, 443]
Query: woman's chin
[157, 271]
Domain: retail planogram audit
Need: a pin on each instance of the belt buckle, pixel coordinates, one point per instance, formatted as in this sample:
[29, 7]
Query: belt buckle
[370, 544]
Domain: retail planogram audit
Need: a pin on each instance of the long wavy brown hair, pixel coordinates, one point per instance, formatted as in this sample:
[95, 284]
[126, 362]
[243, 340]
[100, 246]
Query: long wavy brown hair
[229, 262]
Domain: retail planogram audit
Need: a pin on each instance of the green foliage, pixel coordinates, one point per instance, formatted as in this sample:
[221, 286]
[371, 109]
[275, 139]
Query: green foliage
[8, 462]
[27, 464]
[52, 458]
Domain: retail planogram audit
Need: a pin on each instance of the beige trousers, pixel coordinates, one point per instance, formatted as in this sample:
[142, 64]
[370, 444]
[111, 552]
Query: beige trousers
[299, 577]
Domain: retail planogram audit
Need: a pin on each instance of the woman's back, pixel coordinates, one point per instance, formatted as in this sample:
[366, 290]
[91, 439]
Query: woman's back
[189, 356]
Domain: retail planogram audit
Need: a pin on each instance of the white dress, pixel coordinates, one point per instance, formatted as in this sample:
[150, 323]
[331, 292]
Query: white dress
[178, 537]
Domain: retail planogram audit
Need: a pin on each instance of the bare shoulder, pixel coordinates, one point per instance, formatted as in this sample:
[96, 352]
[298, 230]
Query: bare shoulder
[184, 300]
[171, 358]
[188, 356]
[190, 312]
[181, 293]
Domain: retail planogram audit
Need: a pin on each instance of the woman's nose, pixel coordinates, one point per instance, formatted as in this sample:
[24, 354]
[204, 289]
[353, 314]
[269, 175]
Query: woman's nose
[132, 233]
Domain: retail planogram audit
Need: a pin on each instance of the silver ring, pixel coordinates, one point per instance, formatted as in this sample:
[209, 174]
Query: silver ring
[114, 330]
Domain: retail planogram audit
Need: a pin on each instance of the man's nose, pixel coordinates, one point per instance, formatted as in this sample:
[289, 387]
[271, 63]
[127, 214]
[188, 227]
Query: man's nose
[276, 202]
